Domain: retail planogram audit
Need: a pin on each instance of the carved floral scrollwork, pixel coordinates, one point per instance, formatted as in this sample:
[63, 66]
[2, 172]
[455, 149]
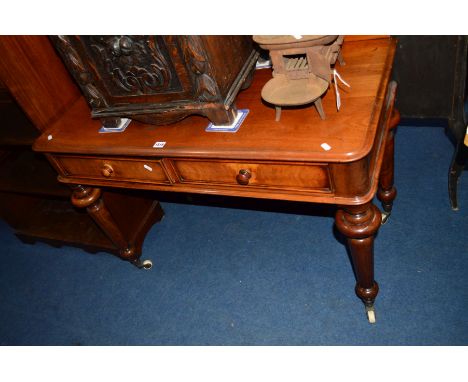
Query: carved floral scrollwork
[134, 63]
[206, 88]
[79, 70]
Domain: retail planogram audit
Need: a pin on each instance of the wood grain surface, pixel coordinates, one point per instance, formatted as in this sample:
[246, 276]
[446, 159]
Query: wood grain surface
[299, 135]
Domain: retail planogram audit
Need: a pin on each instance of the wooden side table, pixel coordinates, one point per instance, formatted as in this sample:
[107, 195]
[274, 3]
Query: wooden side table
[345, 160]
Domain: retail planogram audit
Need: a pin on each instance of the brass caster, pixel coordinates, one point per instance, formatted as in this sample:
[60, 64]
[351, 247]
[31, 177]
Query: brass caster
[370, 314]
[143, 264]
[385, 216]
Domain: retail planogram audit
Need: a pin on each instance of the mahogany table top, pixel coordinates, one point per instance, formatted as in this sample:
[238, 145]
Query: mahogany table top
[299, 135]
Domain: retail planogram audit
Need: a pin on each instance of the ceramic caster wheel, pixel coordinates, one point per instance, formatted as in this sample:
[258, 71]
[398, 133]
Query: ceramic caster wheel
[370, 314]
[385, 216]
[144, 264]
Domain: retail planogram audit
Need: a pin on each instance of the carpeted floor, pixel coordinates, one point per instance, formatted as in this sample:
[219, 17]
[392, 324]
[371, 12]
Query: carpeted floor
[262, 275]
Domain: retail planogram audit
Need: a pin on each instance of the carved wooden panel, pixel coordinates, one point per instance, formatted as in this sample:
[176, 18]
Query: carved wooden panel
[132, 65]
[80, 71]
[159, 79]
[196, 60]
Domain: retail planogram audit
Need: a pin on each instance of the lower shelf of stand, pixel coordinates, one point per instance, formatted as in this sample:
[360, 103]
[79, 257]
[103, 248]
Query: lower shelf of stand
[52, 221]
[57, 222]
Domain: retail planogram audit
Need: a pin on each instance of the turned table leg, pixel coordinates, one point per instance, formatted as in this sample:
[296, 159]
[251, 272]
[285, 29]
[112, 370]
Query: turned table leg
[90, 198]
[387, 191]
[360, 224]
[457, 165]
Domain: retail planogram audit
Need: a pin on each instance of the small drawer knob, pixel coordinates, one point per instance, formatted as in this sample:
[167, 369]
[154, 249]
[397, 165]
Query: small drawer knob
[107, 170]
[243, 177]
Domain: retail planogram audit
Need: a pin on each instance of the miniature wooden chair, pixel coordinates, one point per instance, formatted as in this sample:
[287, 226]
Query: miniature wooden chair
[301, 69]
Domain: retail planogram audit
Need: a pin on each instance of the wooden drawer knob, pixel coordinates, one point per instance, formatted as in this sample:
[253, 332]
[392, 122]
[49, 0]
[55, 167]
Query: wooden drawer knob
[243, 177]
[107, 170]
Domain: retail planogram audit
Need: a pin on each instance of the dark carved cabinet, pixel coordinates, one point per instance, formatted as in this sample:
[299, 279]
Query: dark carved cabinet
[159, 79]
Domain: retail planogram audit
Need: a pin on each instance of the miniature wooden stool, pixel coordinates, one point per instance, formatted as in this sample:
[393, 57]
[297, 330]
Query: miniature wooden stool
[301, 69]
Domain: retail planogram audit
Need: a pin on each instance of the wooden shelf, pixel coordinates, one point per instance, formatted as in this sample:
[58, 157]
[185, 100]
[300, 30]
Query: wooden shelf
[57, 222]
[53, 221]
[26, 172]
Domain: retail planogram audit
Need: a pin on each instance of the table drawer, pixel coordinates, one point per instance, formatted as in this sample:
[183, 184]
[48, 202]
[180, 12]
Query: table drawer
[258, 174]
[113, 169]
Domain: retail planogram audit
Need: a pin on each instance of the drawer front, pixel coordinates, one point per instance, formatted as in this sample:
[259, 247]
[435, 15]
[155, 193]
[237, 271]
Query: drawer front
[290, 176]
[113, 169]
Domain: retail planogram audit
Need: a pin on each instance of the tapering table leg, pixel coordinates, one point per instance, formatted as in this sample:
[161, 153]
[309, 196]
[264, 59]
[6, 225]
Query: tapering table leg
[387, 192]
[90, 198]
[360, 224]
[457, 165]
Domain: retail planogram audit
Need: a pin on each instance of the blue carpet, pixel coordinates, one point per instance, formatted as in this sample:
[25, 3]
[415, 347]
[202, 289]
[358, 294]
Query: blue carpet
[237, 276]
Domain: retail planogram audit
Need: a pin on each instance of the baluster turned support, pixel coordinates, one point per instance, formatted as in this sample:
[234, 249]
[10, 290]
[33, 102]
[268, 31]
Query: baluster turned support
[90, 198]
[360, 224]
[387, 192]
